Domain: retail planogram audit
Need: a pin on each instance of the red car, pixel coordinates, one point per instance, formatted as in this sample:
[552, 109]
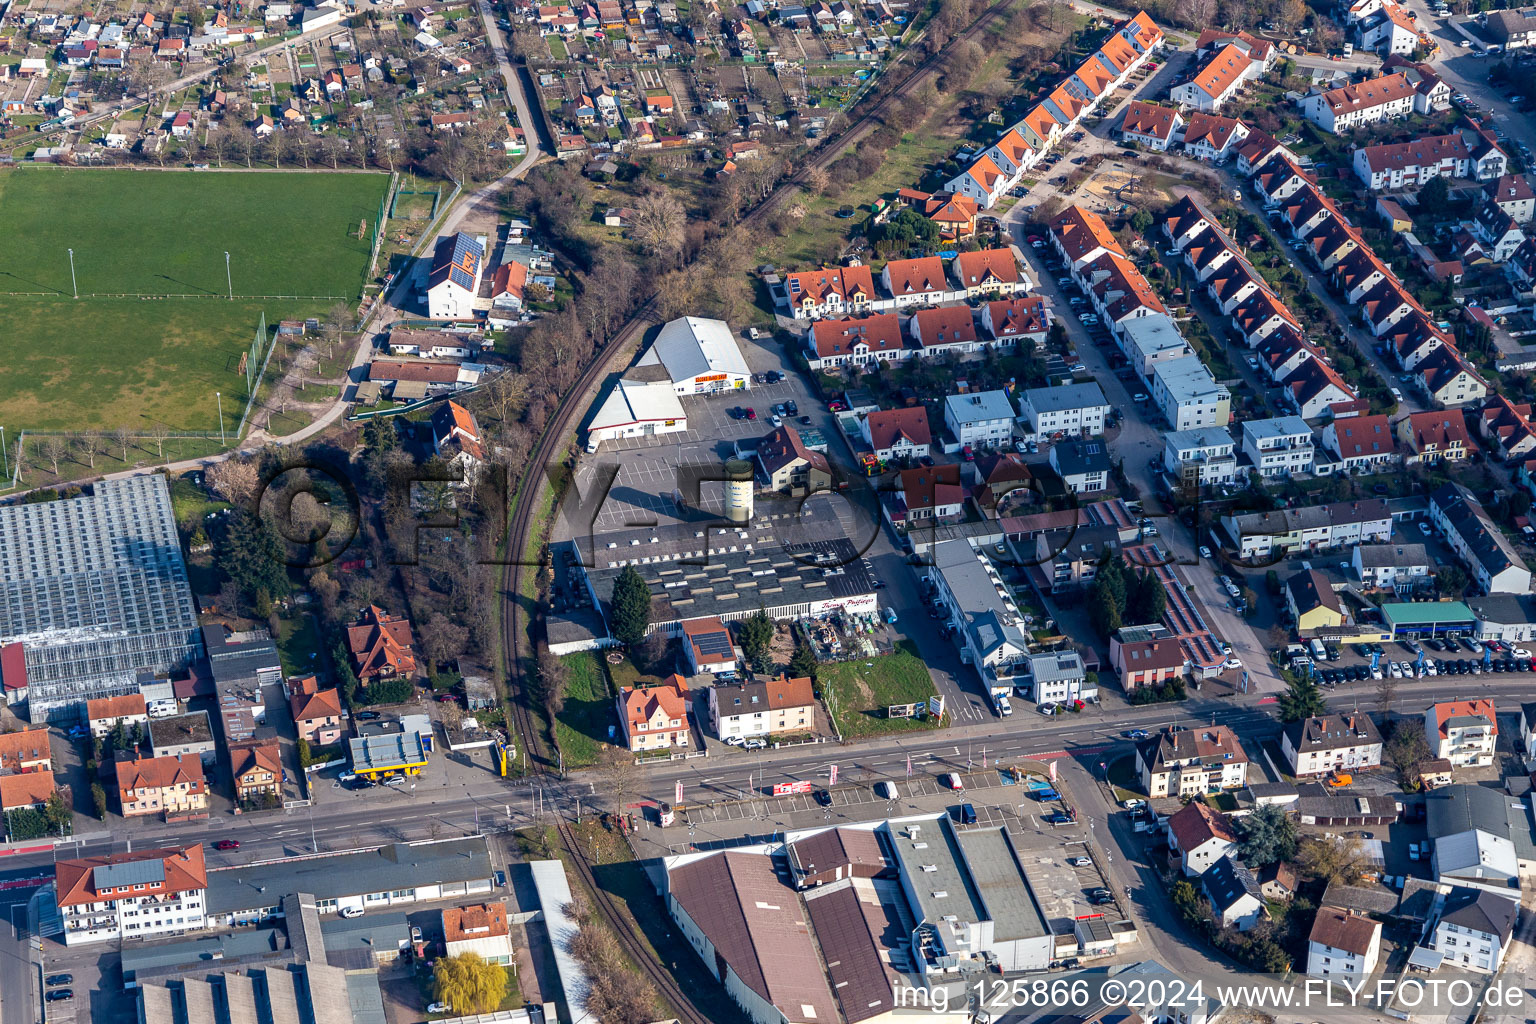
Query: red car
[751, 413]
[227, 844]
[446, 698]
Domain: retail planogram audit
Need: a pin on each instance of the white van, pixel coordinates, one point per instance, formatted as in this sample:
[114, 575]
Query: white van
[887, 791]
[1004, 708]
[952, 781]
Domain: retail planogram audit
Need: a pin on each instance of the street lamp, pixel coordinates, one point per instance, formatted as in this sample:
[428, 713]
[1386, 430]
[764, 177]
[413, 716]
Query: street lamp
[228, 279]
[72, 282]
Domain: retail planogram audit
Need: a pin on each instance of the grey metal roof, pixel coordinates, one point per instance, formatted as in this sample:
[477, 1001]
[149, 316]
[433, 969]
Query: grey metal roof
[225, 950]
[1065, 396]
[397, 866]
[1275, 427]
[356, 943]
[1504, 609]
[1055, 665]
[979, 407]
[1199, 437]
[1462, 807]
[1374, 556]
[999, 880]
[688, 583]
[133, 872]
[931, 862]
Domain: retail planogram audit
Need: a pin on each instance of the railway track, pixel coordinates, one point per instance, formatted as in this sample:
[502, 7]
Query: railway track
[516, 641]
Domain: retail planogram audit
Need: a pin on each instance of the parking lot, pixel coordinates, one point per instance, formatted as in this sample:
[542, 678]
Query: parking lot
[1415, 659]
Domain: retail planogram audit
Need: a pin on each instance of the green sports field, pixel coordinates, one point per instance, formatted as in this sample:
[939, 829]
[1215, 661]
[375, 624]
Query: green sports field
[97, 363]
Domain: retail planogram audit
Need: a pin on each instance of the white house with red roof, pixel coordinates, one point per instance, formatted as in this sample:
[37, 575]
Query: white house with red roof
[1463, 732]
[132, 895]
[1201, 837]
[456, 439]
[898, 433]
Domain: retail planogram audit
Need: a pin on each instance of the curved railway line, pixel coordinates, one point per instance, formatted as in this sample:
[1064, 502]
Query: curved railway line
[515, 618]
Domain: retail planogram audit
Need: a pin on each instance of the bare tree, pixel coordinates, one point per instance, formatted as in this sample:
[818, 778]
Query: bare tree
[1197, 13]
[659, 223]
[245, 144]
[87, 444]
[277, 145]
[54, 448]
[337, 319]
[217, 143]
[507, 394]
[159, 431]
[303, 143]
[122, 437]
[234, 480]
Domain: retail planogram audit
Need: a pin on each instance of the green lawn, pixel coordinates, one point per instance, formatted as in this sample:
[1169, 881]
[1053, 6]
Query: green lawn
[581, 727]
[298, 644]
[99, 363]
[859, 691]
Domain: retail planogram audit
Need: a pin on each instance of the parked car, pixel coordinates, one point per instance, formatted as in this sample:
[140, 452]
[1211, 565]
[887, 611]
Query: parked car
[951, 780]
[351, 911]
[59, 979]
[823, 797]
[60, 994]
[395, 781]
[367, 716]
[1079, 862]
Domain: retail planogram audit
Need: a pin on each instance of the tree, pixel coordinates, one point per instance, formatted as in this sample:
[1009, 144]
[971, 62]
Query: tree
[1302, 699]
[631, 607]
[389, 691]
[236, 480]
[1145, 599]
[803, 662]
[756, 633]
[659, 224]
[252, 558]
[1187, 901]
[1406, 751]
[61, 821]
[54, 449]
[551, 678]
[1435, 194]
[1451, 581]
[1268, 835]
[469, 983]
[1103, 611]
[1332, 860]
[1141, 222]
[337, 319]
[442, 640]
[99, 799]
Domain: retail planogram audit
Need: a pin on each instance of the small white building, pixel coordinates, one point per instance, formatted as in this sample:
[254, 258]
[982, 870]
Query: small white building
[1201, 457]
[1464, 732]
[1188, 396]
[104, 714]
[481, 930]
[1343, 945]
[1201, 837]
[1400, 567]
[1056, 677]
[1278, 447]
[1070, 409]
[637, 409]
[1474, 929]
[982, 419]
[458, 260]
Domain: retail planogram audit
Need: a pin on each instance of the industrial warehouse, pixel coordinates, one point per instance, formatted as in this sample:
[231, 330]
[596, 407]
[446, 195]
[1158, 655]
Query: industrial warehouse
[691, 356]
[841, 914]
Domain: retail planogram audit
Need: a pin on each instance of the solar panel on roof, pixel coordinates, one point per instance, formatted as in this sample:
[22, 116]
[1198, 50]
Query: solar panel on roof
[713, 643]
[135, 872]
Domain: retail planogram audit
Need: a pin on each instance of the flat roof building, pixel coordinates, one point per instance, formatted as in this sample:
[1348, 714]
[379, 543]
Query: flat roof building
[399, 873]
[94, 591]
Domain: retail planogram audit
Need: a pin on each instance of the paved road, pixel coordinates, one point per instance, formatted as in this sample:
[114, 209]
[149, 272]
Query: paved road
[18, 975]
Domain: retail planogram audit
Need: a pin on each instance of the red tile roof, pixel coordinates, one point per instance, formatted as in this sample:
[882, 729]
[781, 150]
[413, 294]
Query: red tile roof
[1017, 316]
[1444, 712]
[160, 773]
[1152, 119]
[25, 748]
[110, 708]
[887, 425]
[26, 790]
[912, 277]
[1221, 71]
[881, 332]
[671, 696]
[185, 871]
[380, 641]
[986, 266]
[946, 325]
[1360, 436]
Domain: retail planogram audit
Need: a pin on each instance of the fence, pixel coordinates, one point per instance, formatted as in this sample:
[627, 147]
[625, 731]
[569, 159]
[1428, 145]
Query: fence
[250, 399]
